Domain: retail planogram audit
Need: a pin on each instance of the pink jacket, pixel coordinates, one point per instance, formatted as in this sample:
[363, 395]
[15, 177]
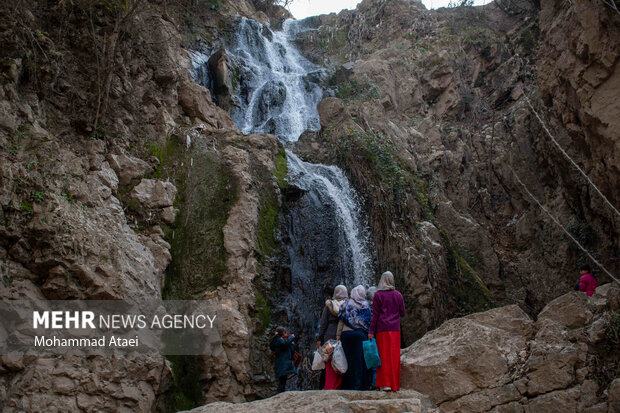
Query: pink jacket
[588, 283]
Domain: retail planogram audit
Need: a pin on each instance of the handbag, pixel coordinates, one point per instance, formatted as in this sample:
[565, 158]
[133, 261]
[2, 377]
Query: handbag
[296, 357]
[371, 354]
[317, 362]
[339, 359]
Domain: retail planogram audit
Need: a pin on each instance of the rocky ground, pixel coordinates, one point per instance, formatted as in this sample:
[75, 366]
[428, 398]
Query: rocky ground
[497, 361]
[503, 361]
[331, 401]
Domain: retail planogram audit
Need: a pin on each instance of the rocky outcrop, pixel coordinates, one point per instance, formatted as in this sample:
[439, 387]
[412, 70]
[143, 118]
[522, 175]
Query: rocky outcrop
[222, 84]
[128, 167]
[501, 360]
[333, 401]
[468, 354]
[196, 102]
[154, 193]
[230, 375]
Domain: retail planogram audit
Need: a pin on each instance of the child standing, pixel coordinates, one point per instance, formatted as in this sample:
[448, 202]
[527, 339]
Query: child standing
[283, 346]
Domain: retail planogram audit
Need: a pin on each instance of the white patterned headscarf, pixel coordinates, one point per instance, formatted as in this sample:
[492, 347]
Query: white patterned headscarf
[358, 294]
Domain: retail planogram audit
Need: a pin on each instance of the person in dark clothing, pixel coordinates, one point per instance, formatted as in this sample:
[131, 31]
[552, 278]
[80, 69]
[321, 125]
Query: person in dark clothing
[352, 330]
[327, 331]
[283, 346]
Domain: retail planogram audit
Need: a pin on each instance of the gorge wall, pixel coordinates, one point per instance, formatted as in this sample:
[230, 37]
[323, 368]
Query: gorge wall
[122, 178]
[429, 118]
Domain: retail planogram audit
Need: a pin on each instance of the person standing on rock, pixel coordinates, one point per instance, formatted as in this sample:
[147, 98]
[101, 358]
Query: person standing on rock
[387, 309]
[283, 346]
[327, 331]
[352, 330]
[587, 282]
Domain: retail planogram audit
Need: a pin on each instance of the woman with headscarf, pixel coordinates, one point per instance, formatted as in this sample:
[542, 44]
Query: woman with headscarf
[387, 309]
[352, 330]
[327, 331]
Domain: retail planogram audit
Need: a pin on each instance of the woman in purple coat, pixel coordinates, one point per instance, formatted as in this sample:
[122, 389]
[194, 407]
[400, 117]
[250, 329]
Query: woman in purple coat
[388, 307]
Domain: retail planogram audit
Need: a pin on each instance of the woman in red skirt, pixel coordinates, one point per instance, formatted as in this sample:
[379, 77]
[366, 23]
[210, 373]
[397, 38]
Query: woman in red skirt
[388, 307]
[327, 331]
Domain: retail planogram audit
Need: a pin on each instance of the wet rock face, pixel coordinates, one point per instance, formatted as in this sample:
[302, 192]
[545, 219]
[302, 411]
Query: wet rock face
[327, 244]
[310, 235]
[501, 360]
[311, 230]
[271, 99]
[220, 77]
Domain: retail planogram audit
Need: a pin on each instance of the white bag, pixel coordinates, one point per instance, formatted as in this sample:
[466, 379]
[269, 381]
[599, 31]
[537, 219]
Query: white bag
[339, 360]
[318, 363]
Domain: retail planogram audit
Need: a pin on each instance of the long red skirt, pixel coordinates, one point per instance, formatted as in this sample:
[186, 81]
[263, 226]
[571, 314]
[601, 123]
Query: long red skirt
[333, 379]
[388, 374]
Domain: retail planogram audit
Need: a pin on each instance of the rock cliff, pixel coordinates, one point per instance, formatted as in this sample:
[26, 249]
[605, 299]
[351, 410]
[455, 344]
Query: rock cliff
[115, 165]
[429, 117]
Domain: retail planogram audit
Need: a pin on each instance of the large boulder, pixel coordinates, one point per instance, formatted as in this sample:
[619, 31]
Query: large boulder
[220, 73]
[570, 310]
[501, 361]
[330, 401]
[467, 354]
[196, 102]
[128, 167]
[154, 193]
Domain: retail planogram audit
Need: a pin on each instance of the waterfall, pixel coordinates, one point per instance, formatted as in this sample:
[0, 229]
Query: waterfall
[279, 91]
[333, 191]
[327, 241]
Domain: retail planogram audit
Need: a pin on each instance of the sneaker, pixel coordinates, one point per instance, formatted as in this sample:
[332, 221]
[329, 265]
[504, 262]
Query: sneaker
[386, 388]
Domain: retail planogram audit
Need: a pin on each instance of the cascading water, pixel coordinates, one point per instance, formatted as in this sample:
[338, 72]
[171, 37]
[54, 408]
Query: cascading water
[277, 84]
[324, 235]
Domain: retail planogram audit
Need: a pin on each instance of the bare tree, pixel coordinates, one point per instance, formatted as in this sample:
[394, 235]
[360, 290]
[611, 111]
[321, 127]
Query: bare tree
[105, 49]
[460, 3]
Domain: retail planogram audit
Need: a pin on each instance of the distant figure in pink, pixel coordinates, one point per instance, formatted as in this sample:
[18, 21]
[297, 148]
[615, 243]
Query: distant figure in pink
[587, 282]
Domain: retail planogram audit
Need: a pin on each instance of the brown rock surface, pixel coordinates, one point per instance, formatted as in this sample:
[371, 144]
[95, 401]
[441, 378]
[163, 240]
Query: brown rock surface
[195, 101]
[128, 167]
[332, 401]
[467, 354]
[501, 361]
[580, 79]
[427, 117]
[154, 193]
